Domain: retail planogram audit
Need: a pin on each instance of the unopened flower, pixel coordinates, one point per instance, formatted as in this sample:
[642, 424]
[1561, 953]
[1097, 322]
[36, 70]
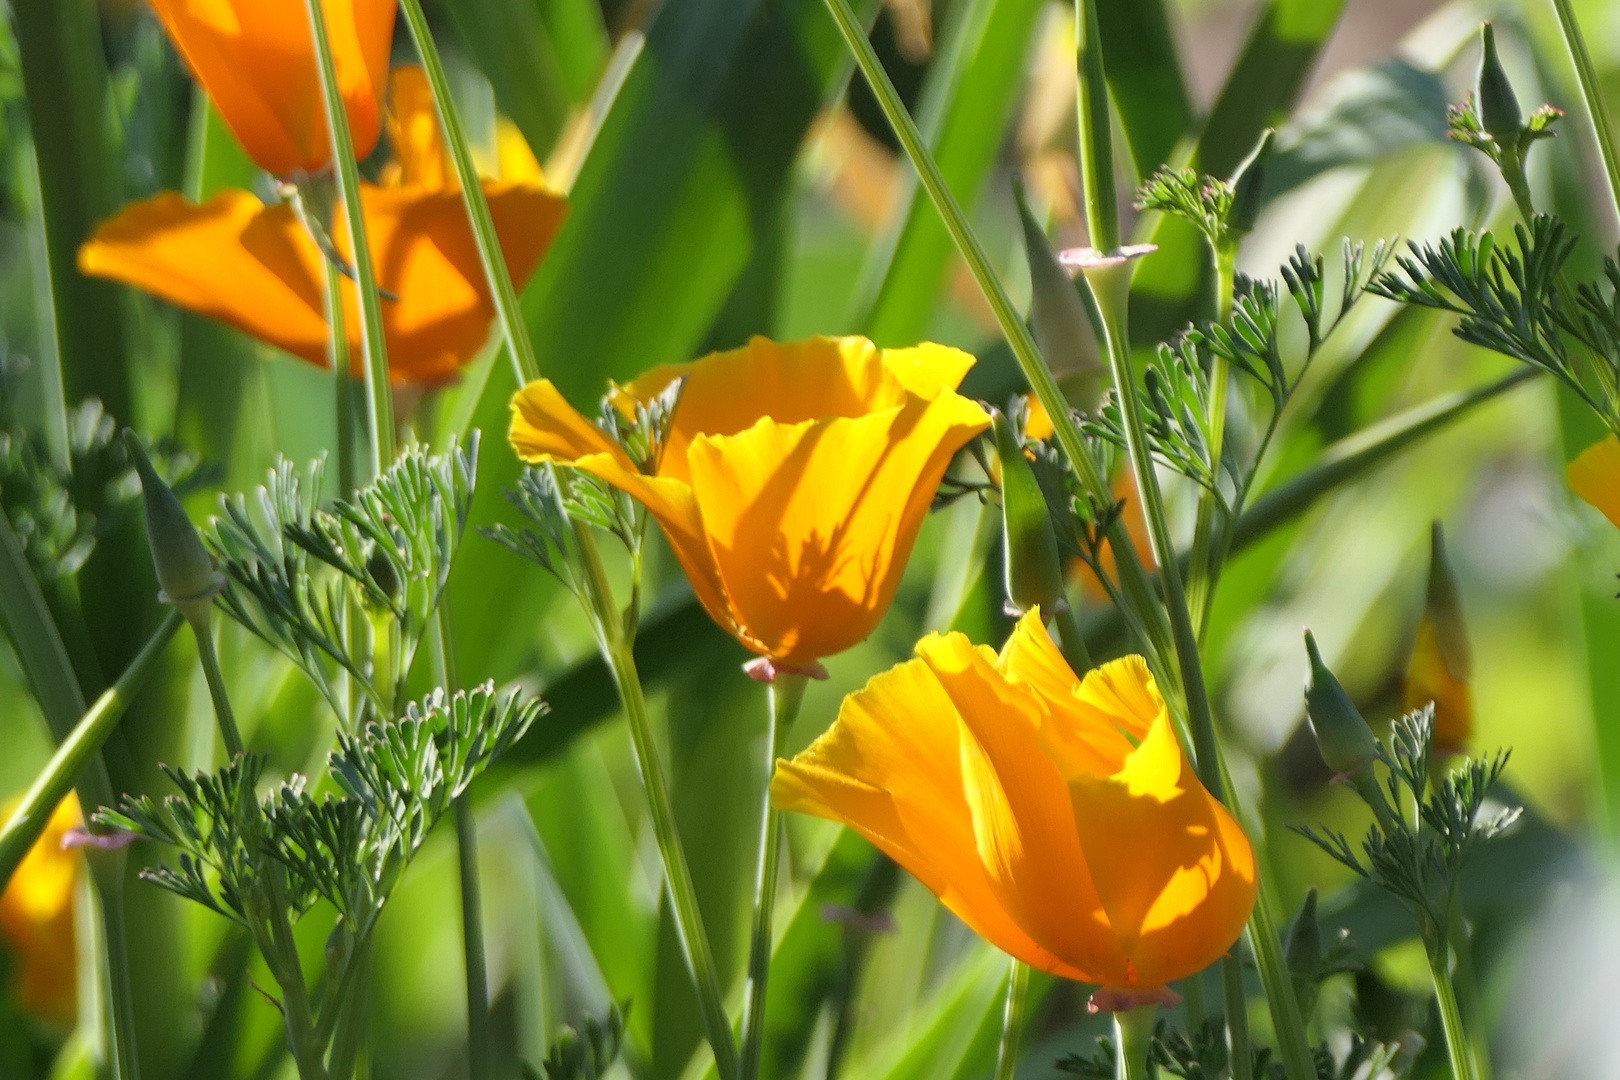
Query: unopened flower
[36, 917]
[792, 482]
[1441, 662]
[256, 60]
[258, 269]
[1059, 818]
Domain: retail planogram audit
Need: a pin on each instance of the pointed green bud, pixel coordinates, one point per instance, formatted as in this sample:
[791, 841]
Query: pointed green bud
[1498, 105]
[1444, 606]
[1057, 314]
[1249, 185]
[1343, 737]
[1034, 568]
[1304, 952]
[185, 571]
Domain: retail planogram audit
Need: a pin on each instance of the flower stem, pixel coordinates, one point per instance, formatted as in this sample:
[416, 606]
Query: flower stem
[379, 395]
[51, 786]
[108, 869]
[472, 195]
[1012, 1021]
[1468, 993]
[475, 966]
[1142, 609]
[784, 696]
[1458, 1047]
[1237, 1017]
[1208, 548]
[617, 650]
[337, 358]
[216, 685]
[1072, 642]
[1133, 1037]
[1592, 95]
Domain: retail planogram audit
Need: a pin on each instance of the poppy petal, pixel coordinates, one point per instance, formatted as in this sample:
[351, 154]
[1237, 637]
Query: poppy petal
[1071, 733]
[1595, 477]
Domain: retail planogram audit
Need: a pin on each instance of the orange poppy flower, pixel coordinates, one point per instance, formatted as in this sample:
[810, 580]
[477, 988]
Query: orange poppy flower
[256, 268]
[1595, 477]
[792, 482]
[1441, 662]
[256, 60]
[1057, 817]
[36, 917]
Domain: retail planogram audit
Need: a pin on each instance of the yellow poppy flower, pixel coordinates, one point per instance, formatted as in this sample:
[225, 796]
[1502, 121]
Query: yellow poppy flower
[1595, 477]
[1441, 662]
[36, 917]
[256, 60]
[792, 482]
[256, 268]
[1057, 817]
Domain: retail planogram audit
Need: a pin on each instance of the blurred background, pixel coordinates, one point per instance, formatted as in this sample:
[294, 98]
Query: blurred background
[723, 183]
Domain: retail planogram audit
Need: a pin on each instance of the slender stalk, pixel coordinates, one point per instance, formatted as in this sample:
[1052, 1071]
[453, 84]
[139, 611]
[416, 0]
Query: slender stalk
[1012, 1021]
[23, 829]
[216, 685]
[337, 358]
[1072, 642]
[107, 867]
[1592, 94]
[1458, 1047]
[349, 1032]
[379, 395]
[1208, 550]
[1142, 607]
[472, 195]
[1458, 940]
[784, 697]
[1133, 1035]
[1237, 1017]
[1096, 149]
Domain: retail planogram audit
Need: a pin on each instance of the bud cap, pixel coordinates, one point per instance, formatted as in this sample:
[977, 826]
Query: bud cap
[1343, 737]
[1034, 568]
[1499, 110]
[185, 570]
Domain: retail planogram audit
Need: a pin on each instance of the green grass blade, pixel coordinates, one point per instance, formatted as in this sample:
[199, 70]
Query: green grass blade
[516, 53]
[1144, 79]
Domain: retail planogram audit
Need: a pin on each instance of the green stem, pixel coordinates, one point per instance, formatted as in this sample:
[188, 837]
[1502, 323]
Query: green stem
[1592, 94]
[349, 1032]
[1293, 1044]
[280, 953]
[1072, 642]
[51, 786]
[1208, 551]
[1012, 1021]
[1142, 607]
[1458, 1047]
[216, 685]
[1096, 143]
[784, 695]
[617, 650]
[1133, 1036]
[107, 867]
[337, 358]
[1237, 1017]
[379, 395]
[472, 195]
[1468, 993]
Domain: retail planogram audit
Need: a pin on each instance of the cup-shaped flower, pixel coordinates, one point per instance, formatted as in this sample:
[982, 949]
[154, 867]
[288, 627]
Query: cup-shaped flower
[256, 268]
[1057, 817]
[36, 917]
[256, 60]
[792, 481]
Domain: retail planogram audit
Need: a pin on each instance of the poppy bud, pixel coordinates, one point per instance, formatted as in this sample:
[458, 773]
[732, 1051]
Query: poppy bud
[1034, 570]
[1498, 105]
[1057, 315]
[185, 571]
[1343, 737]
[1441, 666]
[1304, 951]
[383, 575]
[1249, 185]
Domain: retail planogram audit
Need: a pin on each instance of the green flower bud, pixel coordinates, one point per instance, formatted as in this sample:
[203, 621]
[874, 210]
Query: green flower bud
[1343, 737]
[1057, 314]
[1249, 185]
[383, 575]
[1034, 568]
[185, 571]
[1498, 105]
[1304, 951]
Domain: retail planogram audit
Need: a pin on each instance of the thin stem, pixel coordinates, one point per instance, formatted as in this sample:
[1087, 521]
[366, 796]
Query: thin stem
[1142, 609]
[349, 1032]
[1133, 1036]
[617, 650]
[1237, 1017]
[784, 697]
[1458, 1047]
[379, 395]
[472, 195]
[1072, 642]
[1468, 992]
[337, 358]
[108, 869]
[23, 829]
[1012, 1021]
[1096, 148]
[281, 956]
[216, 685]
[1208, 550]
[1592, 94]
